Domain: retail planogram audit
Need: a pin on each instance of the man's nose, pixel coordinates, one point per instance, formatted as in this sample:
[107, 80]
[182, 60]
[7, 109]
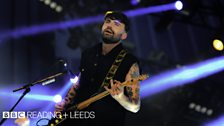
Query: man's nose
[109, 27]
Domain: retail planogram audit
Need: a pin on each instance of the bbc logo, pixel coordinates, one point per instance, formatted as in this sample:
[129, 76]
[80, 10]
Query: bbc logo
[20, 114]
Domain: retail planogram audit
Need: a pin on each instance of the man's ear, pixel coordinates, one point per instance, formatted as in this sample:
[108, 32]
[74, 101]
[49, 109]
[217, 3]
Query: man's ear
[124, 35]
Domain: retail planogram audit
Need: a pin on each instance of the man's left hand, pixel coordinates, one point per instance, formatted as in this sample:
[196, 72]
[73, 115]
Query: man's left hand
[116, 88]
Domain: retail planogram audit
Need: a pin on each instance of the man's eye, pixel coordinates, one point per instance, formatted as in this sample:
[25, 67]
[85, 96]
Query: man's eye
[107, 21]
[117, 24]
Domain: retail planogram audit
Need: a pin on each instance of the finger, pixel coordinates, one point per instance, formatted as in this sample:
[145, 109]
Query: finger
[58, 106]
[118, 91]
[114, 86]
[58, 110]
[109, 90]
[117, 82]
[111, 83]
[113, 91]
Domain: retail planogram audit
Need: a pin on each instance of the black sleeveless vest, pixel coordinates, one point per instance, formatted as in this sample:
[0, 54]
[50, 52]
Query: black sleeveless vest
[94, 67]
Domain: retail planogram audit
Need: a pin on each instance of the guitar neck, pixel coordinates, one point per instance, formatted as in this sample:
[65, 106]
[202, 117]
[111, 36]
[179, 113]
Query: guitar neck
[87, 102]
[101, 95]
[97, 97]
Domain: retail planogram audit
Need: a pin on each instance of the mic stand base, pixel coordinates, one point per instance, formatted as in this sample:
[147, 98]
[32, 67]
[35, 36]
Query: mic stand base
[24, 93]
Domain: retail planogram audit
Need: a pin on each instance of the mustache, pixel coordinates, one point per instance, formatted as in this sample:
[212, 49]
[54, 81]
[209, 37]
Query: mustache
[109, 30]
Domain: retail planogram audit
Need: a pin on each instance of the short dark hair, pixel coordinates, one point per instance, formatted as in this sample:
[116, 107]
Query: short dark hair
[117, 15]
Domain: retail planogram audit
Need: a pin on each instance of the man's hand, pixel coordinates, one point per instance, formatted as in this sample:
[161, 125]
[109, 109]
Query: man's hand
[59, 107]
[116, 88]
[117, 92]
[132, 101]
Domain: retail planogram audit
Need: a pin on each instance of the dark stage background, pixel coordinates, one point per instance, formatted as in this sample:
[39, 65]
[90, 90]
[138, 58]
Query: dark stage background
[162, 41]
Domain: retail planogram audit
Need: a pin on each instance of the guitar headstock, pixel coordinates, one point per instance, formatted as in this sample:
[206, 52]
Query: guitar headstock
[136, 79]
[142, 77]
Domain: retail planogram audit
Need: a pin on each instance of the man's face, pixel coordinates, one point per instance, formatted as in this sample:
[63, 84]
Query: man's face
[112, 31]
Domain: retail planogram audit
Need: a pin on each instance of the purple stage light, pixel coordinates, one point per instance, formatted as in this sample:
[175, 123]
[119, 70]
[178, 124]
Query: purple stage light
[217, 122]
[179, 5]
[26, 31]
[28, 96]
[57, 98]
[74, 80]
[135, 2]
[181, 76]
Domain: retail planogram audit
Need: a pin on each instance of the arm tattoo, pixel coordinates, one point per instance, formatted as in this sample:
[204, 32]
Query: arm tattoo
[72, 92]
[129, 91]
[134, 70]
[70, 95]
[133, 90]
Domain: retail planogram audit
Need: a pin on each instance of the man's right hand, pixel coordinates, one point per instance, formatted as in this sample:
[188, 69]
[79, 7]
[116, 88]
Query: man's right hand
[59, 107]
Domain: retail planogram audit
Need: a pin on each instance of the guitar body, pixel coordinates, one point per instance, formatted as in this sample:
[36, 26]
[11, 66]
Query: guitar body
[73, 118]
[59, 121]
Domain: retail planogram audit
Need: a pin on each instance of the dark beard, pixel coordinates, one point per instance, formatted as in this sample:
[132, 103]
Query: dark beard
[110, 40]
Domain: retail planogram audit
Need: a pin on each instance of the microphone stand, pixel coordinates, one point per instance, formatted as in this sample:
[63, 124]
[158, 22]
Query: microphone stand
[27, 90]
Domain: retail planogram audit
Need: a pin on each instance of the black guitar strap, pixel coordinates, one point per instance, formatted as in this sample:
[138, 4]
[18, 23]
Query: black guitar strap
[113, 69]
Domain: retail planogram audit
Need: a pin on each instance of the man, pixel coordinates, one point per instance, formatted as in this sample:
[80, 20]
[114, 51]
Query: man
[96, 63]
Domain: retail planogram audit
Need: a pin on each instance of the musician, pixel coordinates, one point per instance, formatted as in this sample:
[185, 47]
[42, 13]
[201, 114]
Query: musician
[95, 65]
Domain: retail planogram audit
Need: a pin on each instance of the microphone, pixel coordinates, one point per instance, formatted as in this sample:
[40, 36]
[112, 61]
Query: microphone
[52, 79]
[48, 82]
[65, 64]
[72, 76]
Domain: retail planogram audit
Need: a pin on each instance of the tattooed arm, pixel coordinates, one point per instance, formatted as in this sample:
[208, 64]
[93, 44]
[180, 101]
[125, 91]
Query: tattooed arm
[132, 101]
[68, 98]
[133, 90]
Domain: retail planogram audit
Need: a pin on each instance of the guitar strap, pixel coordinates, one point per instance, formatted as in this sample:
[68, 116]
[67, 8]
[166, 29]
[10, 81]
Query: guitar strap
[113, 69]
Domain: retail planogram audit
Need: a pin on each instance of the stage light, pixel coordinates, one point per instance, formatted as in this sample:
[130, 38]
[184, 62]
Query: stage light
[53, 5]
[57, 98]
[178, 5]
[198, 108]
[58, 9]
[217, 122]
[29, 96]
[209, 112]
[203, 110]
[192, 105]
[65, 64]
[25, 31]
[135, 2]
[181, 76]
[218, 45]
[47, 2]
[74, 80]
